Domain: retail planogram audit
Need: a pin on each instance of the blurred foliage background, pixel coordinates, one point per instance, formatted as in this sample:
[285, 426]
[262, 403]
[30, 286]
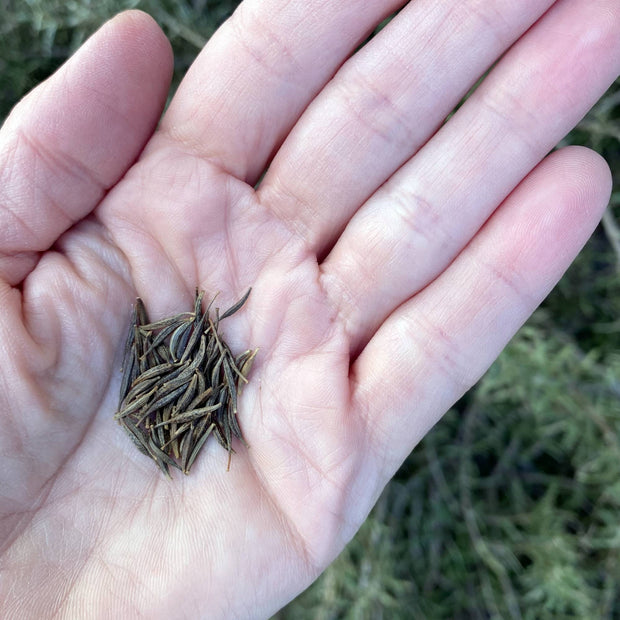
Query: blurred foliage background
[510, 507]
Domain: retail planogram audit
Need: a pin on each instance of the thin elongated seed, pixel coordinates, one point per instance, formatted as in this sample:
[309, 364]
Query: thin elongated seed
[156, 371]
[247, 364]
[163, 334]
[129, 342]
[183, 378]
[140, 388]
[166, 413]
[155, 455]
[166, 377]
[236, 306]
[141, 315]
[230, 381]
[199, 426]
[197, 448]
[172, 434]
[135, 370]
[225, 352]
[176, 340]
[162, 401]
[183, 340]
[136, 437]
[177, 318]
[233, 422]
[127, 374]
[228, 438]
[242, 357]
[163, 353]
[210, 362]
[177, 433]
[215, 373]
[217, 432]
[202, 384]
[185, 449]
[245, 371]
[198, 305]
[195, 414]
[143, 362]
[162, 455]
[207, 312]
[202, 397]
[160, 421]
[189, 369]
[185, 400]
[193, 340]
[152, 359]
[233, 366]
[136, 405]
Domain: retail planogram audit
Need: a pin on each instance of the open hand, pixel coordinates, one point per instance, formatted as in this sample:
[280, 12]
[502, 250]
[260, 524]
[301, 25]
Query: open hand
[391, 257]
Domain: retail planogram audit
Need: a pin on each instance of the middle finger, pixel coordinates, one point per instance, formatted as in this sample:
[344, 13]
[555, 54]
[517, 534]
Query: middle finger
[383, 105]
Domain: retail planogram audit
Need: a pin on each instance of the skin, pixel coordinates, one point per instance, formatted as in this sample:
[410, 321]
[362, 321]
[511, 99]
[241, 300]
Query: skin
[391, 259]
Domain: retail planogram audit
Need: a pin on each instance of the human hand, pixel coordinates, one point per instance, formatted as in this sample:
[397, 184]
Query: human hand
[390, 262]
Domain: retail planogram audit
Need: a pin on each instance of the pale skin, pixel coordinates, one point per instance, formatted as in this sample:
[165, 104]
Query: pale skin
[391, 260]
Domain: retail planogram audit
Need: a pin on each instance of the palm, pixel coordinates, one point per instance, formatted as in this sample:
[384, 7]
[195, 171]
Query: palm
[299, 442]
[327, 412]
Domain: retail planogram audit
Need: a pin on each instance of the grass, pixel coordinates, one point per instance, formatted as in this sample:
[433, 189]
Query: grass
[509, 507]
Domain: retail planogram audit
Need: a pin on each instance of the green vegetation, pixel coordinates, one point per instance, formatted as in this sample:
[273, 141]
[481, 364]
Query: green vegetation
[510, 507]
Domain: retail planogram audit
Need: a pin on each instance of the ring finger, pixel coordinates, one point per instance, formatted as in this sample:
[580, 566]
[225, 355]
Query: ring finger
[416, 224]
[384, 103]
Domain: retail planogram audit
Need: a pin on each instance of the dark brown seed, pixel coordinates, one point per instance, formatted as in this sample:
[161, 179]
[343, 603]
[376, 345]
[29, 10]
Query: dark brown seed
[215, 373]
[202, 384]
[195, 414]
[170, 384]
[161, 419]
[201, 398]
[197, 448]
[186, 447]
[231, 383]
[136, 405]
[161, 454]
[140, 388]
[129, 349]
[179, 339]
[159, 339]
[128, 367]
[189, 394]
[174, 436]
[182, 317]
[236, 306]
[198, 305]
[217, 431]
[233, 423]
[161, 401]
[136, 436]
[246, 366]
[157, 371]
[193, 340]
[141, 316]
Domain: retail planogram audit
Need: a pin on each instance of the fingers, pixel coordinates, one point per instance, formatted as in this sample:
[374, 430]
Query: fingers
[257, 74]
[383, 105]
[433, 348]
[415, 225]
[76, 134]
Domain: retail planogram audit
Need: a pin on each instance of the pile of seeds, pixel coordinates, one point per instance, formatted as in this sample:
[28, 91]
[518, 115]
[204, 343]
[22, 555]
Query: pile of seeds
[180, 385]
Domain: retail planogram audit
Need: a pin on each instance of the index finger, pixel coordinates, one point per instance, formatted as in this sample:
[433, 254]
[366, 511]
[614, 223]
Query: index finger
[257, 74]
